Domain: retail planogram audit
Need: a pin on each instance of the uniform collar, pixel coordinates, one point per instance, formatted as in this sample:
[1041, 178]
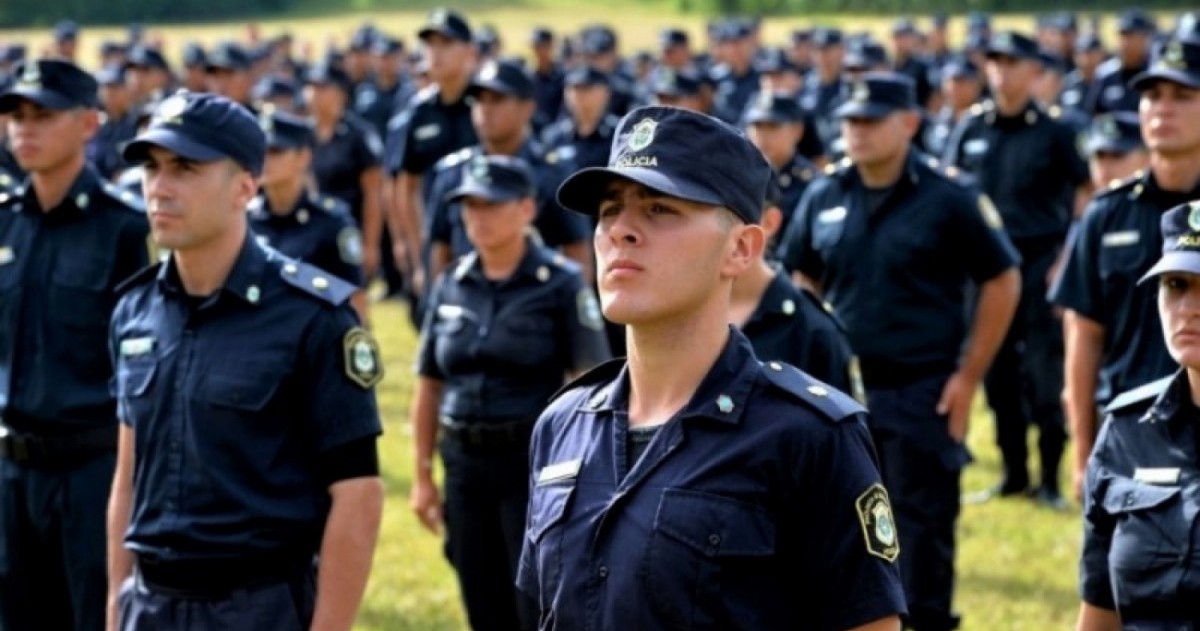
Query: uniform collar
[535, 264]
[723, 393]
[778, 299]
[244, 280]
[1169, 405]
[1030, 115]
[261, 207]
[1147, 189]
[79, 197]
[912, 171]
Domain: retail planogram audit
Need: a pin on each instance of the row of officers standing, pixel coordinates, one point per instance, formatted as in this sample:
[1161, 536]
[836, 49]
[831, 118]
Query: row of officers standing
[246, 478]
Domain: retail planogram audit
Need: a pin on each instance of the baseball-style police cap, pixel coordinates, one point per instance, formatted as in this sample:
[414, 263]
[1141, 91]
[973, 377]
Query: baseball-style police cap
[274, 87]
[1115, 132]
[447, 23]
[66, 30]
[285, 131]
[960, 67]
[865, 54]
[802, 36]
[228, 56]
[541, 35]
[194, 55]
[774, 60]
[672, 37]
[385, 45]
[1014, 45]
[1135, 21]
[202, 127]
[108, 48]
[979, 21]
[1088, 42]
[877, 95]
[826, 37]
[598, 40]
[13, 53]
[146, 57]
[904, 26]
[112, 74]
[495, 179]
[679, 153]
[1181, 242]
[676, 83]
[773, 108]
[503, 77]
[585, 75]
[1176, 60]
[52, 84]
[328, 73]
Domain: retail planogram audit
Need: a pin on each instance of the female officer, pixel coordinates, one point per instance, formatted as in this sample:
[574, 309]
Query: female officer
[505, 326]
[1139, 568]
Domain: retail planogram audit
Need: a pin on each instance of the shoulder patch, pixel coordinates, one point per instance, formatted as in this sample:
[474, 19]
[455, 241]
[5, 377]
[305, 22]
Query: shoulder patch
[878, 526]
[1141, 396]
[600, 374]
[360, 358]
[126, 197]
[316, 282]
[834, 405]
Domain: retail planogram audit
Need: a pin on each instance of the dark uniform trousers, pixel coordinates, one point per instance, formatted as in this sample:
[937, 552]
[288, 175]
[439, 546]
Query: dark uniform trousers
[921, 466]
[1025, 381]
[285, 605]
[52, 564]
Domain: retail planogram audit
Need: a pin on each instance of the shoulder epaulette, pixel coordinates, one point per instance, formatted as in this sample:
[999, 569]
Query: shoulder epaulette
[1128, 182]
[331, 205]
[126, 197]
[833, 404]
[603, 373]
[316, 282]
[1140, 396]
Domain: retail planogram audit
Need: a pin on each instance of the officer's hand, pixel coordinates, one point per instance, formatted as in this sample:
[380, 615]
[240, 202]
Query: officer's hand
[427, 504]
[1077, 479]
[955, 403]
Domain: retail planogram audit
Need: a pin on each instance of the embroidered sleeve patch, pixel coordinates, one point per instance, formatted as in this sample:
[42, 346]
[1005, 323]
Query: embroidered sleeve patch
[361, 358]
[879, 527]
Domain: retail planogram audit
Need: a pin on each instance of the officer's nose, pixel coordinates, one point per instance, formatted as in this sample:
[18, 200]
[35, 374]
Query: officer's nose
[620, 230]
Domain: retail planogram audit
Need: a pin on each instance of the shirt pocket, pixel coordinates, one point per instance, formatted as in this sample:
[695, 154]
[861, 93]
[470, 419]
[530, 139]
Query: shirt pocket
[80, 307]
[1123, 255]
[134, 381]
[1150, 539]
[241, 391]
[544, 535]
[705, 549]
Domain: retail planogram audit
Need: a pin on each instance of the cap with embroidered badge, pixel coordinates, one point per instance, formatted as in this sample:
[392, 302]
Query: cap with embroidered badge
[802, 36]
[53, 84]
[1176, 60]
[1013, 45]
[494, 178]
[679, 153]
[228, 56]
[110, 48]
[877, 95]
[202, 127]
[1114, 132]
[1181, 241]
[903, 26]
[598, 40]
[502, 77]
[978, 21]
[285, 131]
[13, 53]
[773, 108]
[362, 40]
[447, 23]
[584, 76]
[387, 45]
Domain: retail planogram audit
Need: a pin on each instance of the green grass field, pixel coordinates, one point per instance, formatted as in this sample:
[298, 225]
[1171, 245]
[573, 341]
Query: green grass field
[1016, 563]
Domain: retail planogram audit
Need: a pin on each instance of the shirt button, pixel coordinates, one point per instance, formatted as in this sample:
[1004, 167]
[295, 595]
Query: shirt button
[602, 572]
[714, 540]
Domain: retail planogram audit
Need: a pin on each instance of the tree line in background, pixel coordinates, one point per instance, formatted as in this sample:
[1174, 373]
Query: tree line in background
[23, 13]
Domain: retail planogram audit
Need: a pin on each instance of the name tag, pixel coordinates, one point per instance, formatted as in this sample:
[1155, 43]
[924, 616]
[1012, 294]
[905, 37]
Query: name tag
[975, 147]
[1167, 475]
[1118, 239]
[449, 312]
[559, 471]
[6, 255]
[426, 132]
[135, 346]
[832, 215]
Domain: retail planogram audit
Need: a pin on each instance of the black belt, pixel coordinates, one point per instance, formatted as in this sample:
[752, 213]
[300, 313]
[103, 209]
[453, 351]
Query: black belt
[54, 450]
[488, 435]
[216, 579]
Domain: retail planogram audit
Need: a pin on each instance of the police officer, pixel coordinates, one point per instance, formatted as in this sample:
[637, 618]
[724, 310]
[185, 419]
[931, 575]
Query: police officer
[119, 123]
[303, 224]
[599, 45]
[502, 331]
[66, 41]
[387, 90]
[547, 79]
[1115, 149]
[195, 68]
[736, 78]
[148, 74]
[676, 489]
[892, 244]
[677, 88]
[908, 62]
[823, 87]
[436, 123]
[1142, 478]
[1110, 91]
[1036, 201]
[66, 240]
[775, 124]
[228, 67]
[1089, 53]
[501, 109]
[1109, 320]
[346, 157]
[586, 132]
[248, 419]
[961, 87]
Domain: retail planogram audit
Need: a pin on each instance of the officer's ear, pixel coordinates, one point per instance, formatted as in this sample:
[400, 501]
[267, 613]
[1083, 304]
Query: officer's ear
[245, 186]
[772, 219]
[91, 122]
[911, 120]
[746, 244]
[528, 210]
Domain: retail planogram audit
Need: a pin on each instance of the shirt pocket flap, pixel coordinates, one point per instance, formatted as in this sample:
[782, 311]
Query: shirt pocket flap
[548, 506]
[714, 525]
[249, 390]
[1124, 495]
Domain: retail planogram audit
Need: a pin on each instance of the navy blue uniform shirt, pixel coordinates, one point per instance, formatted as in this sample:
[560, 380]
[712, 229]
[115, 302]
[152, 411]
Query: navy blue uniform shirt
[548, 95]
[58, 274]
[1118, 240]
[555, 225]
[564, 139]
[733, 92]
[233, 399]
[911, 258]
[1028, 164]
[317, 230]
[757, 506]
[503, 348]
[425, 131]
[793, 178]
[339, 162]
[1110, 91]
[104, 150]
[1140, 507]
[376, 105]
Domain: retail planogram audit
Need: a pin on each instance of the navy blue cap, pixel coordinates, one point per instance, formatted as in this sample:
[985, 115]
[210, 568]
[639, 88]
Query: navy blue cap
[363, 39]
[448, 23]
[773, 108]
[112, 74]
[960, 67]
[904, 26]
[202, 127]
[274, 87]
[864, 55]
[585, 75]
[53, 84]
[504, 77]
[146, 57]
[1013, 44]
[495, 179]
[1176, 60]
[878, 94]
[1115, 132]
[1181, 242]
[328, 73]
[671, 37]
[1135, 21]
[679, 153]
[598, 40]
[194, 55]
[976, 41]
[675, 83]
[775, 60]
[1088, 42]
[979, 21]
[802, 36]
[733, 30]
[13, 54]
[487, 40]
[541, 35]
[1052, 62]
[66, 30]
[109, 48]
[285, 131]
[387, 45]
[228, 56]
[825, 37]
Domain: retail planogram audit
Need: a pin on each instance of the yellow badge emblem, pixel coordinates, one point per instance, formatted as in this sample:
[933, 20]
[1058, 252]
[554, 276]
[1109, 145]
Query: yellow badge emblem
[991, 214]
[361, 358]
[879, 527]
